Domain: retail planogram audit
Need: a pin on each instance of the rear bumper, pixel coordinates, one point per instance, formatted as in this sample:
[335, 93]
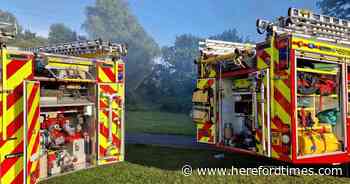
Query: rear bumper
[332, 159]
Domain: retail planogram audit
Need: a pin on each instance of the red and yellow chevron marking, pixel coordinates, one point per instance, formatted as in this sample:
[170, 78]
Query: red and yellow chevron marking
[281, 99]
[206, 131]
[33, 129]
[104, 144]
[106, 73]
[205, 83]
[280, 96]
[12, 162]
[15, 72]
[263, 62]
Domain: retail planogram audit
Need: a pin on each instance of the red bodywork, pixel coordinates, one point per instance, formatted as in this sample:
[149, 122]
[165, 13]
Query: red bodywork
[336, 158]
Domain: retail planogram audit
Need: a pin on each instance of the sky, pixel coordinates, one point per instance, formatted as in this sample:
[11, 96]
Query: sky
[162, 19]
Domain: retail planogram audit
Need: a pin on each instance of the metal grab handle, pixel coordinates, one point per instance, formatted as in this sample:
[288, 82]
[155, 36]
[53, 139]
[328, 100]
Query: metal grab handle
[14, 155]
[110, 114]
[262, 103]
[107, 109]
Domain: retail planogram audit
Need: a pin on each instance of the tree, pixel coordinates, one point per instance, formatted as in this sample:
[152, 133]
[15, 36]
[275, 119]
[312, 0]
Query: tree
[230, 35]
[174, 78]
[28, 39]
[113, 20]
[25, 38]
[8, 17]
[60, 33]
[338, 8]
[177, 74]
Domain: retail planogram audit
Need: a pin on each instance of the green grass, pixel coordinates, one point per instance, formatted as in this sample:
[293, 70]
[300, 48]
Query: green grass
[152, 164]
[159, 122]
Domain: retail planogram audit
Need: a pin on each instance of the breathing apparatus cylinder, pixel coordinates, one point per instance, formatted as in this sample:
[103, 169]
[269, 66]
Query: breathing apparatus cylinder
[228, 133]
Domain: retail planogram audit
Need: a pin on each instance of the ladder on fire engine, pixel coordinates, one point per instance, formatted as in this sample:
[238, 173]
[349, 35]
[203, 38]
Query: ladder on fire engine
[87, 49]
[7, 30]
[76, 57]
[308, 24]
[213, 51]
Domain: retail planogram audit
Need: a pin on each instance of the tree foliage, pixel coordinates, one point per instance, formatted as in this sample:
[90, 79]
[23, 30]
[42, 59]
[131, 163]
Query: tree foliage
[338, 8]
[60, 33]
[24, 38]
[28, 39]
[177, 74]
[8, 17]
[230, 35]
[113, 20]
[174, 79]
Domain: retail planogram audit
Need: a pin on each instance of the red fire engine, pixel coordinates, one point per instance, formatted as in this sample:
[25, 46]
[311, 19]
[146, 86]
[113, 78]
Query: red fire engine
[285, 98]
[62, 108]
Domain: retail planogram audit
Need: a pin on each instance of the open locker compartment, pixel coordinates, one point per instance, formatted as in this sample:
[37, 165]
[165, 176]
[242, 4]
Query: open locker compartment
[67, 128]
[238, 105]
[320, 108]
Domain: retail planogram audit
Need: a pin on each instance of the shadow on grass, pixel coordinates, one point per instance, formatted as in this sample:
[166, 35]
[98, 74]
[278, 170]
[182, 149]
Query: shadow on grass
[173, 159]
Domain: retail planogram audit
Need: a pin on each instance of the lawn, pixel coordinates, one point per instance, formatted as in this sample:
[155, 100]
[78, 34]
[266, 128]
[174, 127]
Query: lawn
[152, 164]
[159, 122]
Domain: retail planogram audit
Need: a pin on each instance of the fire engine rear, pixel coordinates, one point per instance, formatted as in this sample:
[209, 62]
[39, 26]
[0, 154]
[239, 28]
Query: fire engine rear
[285, 98]
[62, 108]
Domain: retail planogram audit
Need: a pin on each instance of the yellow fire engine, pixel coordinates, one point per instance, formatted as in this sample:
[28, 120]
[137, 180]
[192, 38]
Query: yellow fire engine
[62, 108]
[285, 98]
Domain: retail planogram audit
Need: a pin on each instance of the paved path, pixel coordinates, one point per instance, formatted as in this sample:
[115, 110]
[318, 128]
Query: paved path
[177, 141]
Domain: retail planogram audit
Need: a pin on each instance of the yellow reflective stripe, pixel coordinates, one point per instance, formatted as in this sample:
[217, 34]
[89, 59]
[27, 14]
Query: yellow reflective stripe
[103, 141]
[63, 60]
[4, 62]
[102, 75]
[10, 145]
[274, 154]
[261, 63]
[103, 118]
[106, 124]
[275, 55]
[14, 111]
[204, 140]
[17, 78]
[35, 104]
[335, 49]
[284, 89]
[201, 83]
[114, 86]
[69, 66]
[37, 124]
[34, 166]
[13, 172]
[281, 113]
